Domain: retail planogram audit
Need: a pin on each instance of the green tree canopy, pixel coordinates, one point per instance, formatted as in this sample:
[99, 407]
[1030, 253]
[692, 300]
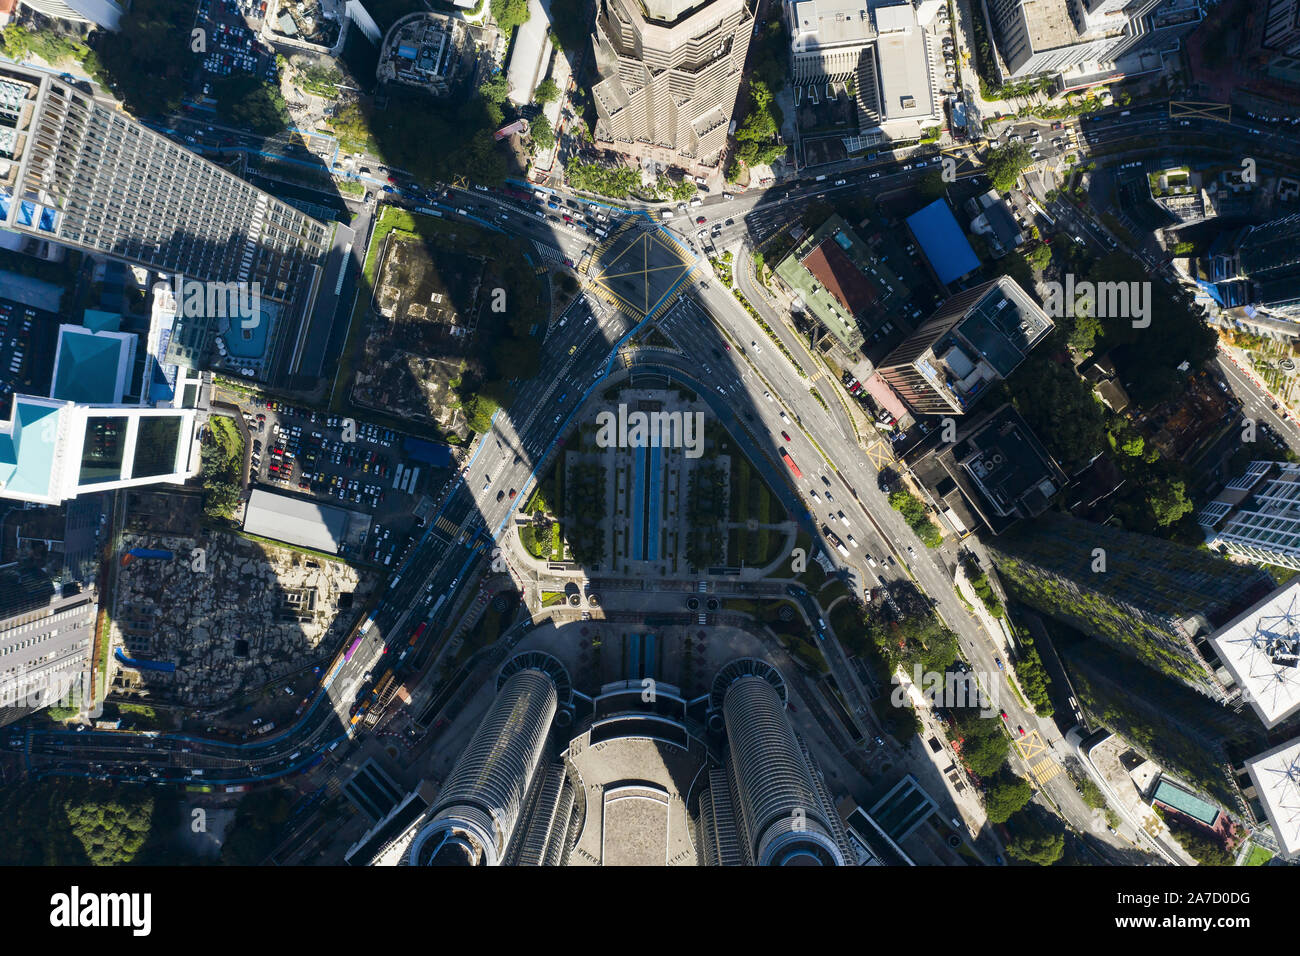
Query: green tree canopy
[546, 91]
[1060, 408]
[1034, 842]
[1004, 794]
[542, 133]
[509, 14]
[1003, 164]
[246, 101]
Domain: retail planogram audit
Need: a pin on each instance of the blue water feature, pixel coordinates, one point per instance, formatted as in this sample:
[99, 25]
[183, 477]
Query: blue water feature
[654, 492]
[165, 667]
[637, 505]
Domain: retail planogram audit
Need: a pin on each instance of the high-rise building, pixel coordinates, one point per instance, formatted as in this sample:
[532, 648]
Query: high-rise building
[1282, 27]
[472, 821]
[882, 48]
[645, 779]
[1257, 515]
[669, 74]
[109, 421]
[976, 338]
[772, 792]
[1153, 600]
[82, 14]
[1049, 36]
[75, 171]
[45, 641]
[1256, 268]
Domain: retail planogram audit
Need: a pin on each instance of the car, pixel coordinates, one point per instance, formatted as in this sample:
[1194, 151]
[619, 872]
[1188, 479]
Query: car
[758, 350]
[998, 662]
[785, 436]
[500, 494]
[726, 346]
[840, 182]
[700, 220]
[1002, 714]
[1020, 730]
[906, 167]
[874, 176]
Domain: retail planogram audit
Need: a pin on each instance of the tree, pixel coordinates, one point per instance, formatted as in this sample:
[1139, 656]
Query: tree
[1169, 501]
[984, 746]
[546, 92]
[509, 14]
[1005, 794]
[149, 59]
[1040, 256]
[932, 186]
[1033, 842]
[756, 134]
[255, 104]
[1060, 408]
[1003, 165]
[541, 132]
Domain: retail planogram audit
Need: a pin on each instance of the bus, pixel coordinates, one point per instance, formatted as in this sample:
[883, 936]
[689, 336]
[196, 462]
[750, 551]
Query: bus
[785, 456]
[353, 649]
[436, 605]
[418, 631]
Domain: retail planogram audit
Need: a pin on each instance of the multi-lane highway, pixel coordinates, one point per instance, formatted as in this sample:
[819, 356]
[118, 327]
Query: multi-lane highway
[752, 386]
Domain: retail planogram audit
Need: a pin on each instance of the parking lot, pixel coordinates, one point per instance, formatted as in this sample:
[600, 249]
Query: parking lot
[305, 452]
[15, 340]
[232, 43]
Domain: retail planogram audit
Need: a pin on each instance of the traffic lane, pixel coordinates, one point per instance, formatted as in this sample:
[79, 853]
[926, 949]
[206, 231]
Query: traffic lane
[1257, 402]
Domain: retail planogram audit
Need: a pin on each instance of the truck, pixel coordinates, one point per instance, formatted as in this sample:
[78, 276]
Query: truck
[821, 178]
[834, 539]
[789, 462]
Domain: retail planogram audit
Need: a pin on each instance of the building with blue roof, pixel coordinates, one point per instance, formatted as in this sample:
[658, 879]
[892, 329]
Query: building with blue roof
[91, 367]
[95, 431]
[943, 242]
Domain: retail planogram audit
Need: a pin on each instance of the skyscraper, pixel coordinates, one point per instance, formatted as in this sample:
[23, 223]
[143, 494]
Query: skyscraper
[1257, 515]
[669, 74]
[1046, 36]
[1153, 600]
[975, 339]
[76, 171]
[1256, 266]
[771, 806]
[476, 812]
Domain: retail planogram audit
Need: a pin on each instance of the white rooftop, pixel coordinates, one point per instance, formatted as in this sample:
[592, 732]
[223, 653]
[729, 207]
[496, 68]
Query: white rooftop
[1276, 775]
[827, 23]
[295, 520]
[899, 16]
[1261, 648]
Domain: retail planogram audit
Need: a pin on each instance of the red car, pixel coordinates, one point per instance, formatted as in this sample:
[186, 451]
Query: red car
[1021, 729]
[785, 436]
[699, 221]
[726, 346]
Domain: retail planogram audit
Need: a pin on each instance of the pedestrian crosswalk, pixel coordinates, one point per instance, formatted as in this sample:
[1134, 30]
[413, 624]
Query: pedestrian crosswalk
[1045, 770]
[445, 526]
[549, 252]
